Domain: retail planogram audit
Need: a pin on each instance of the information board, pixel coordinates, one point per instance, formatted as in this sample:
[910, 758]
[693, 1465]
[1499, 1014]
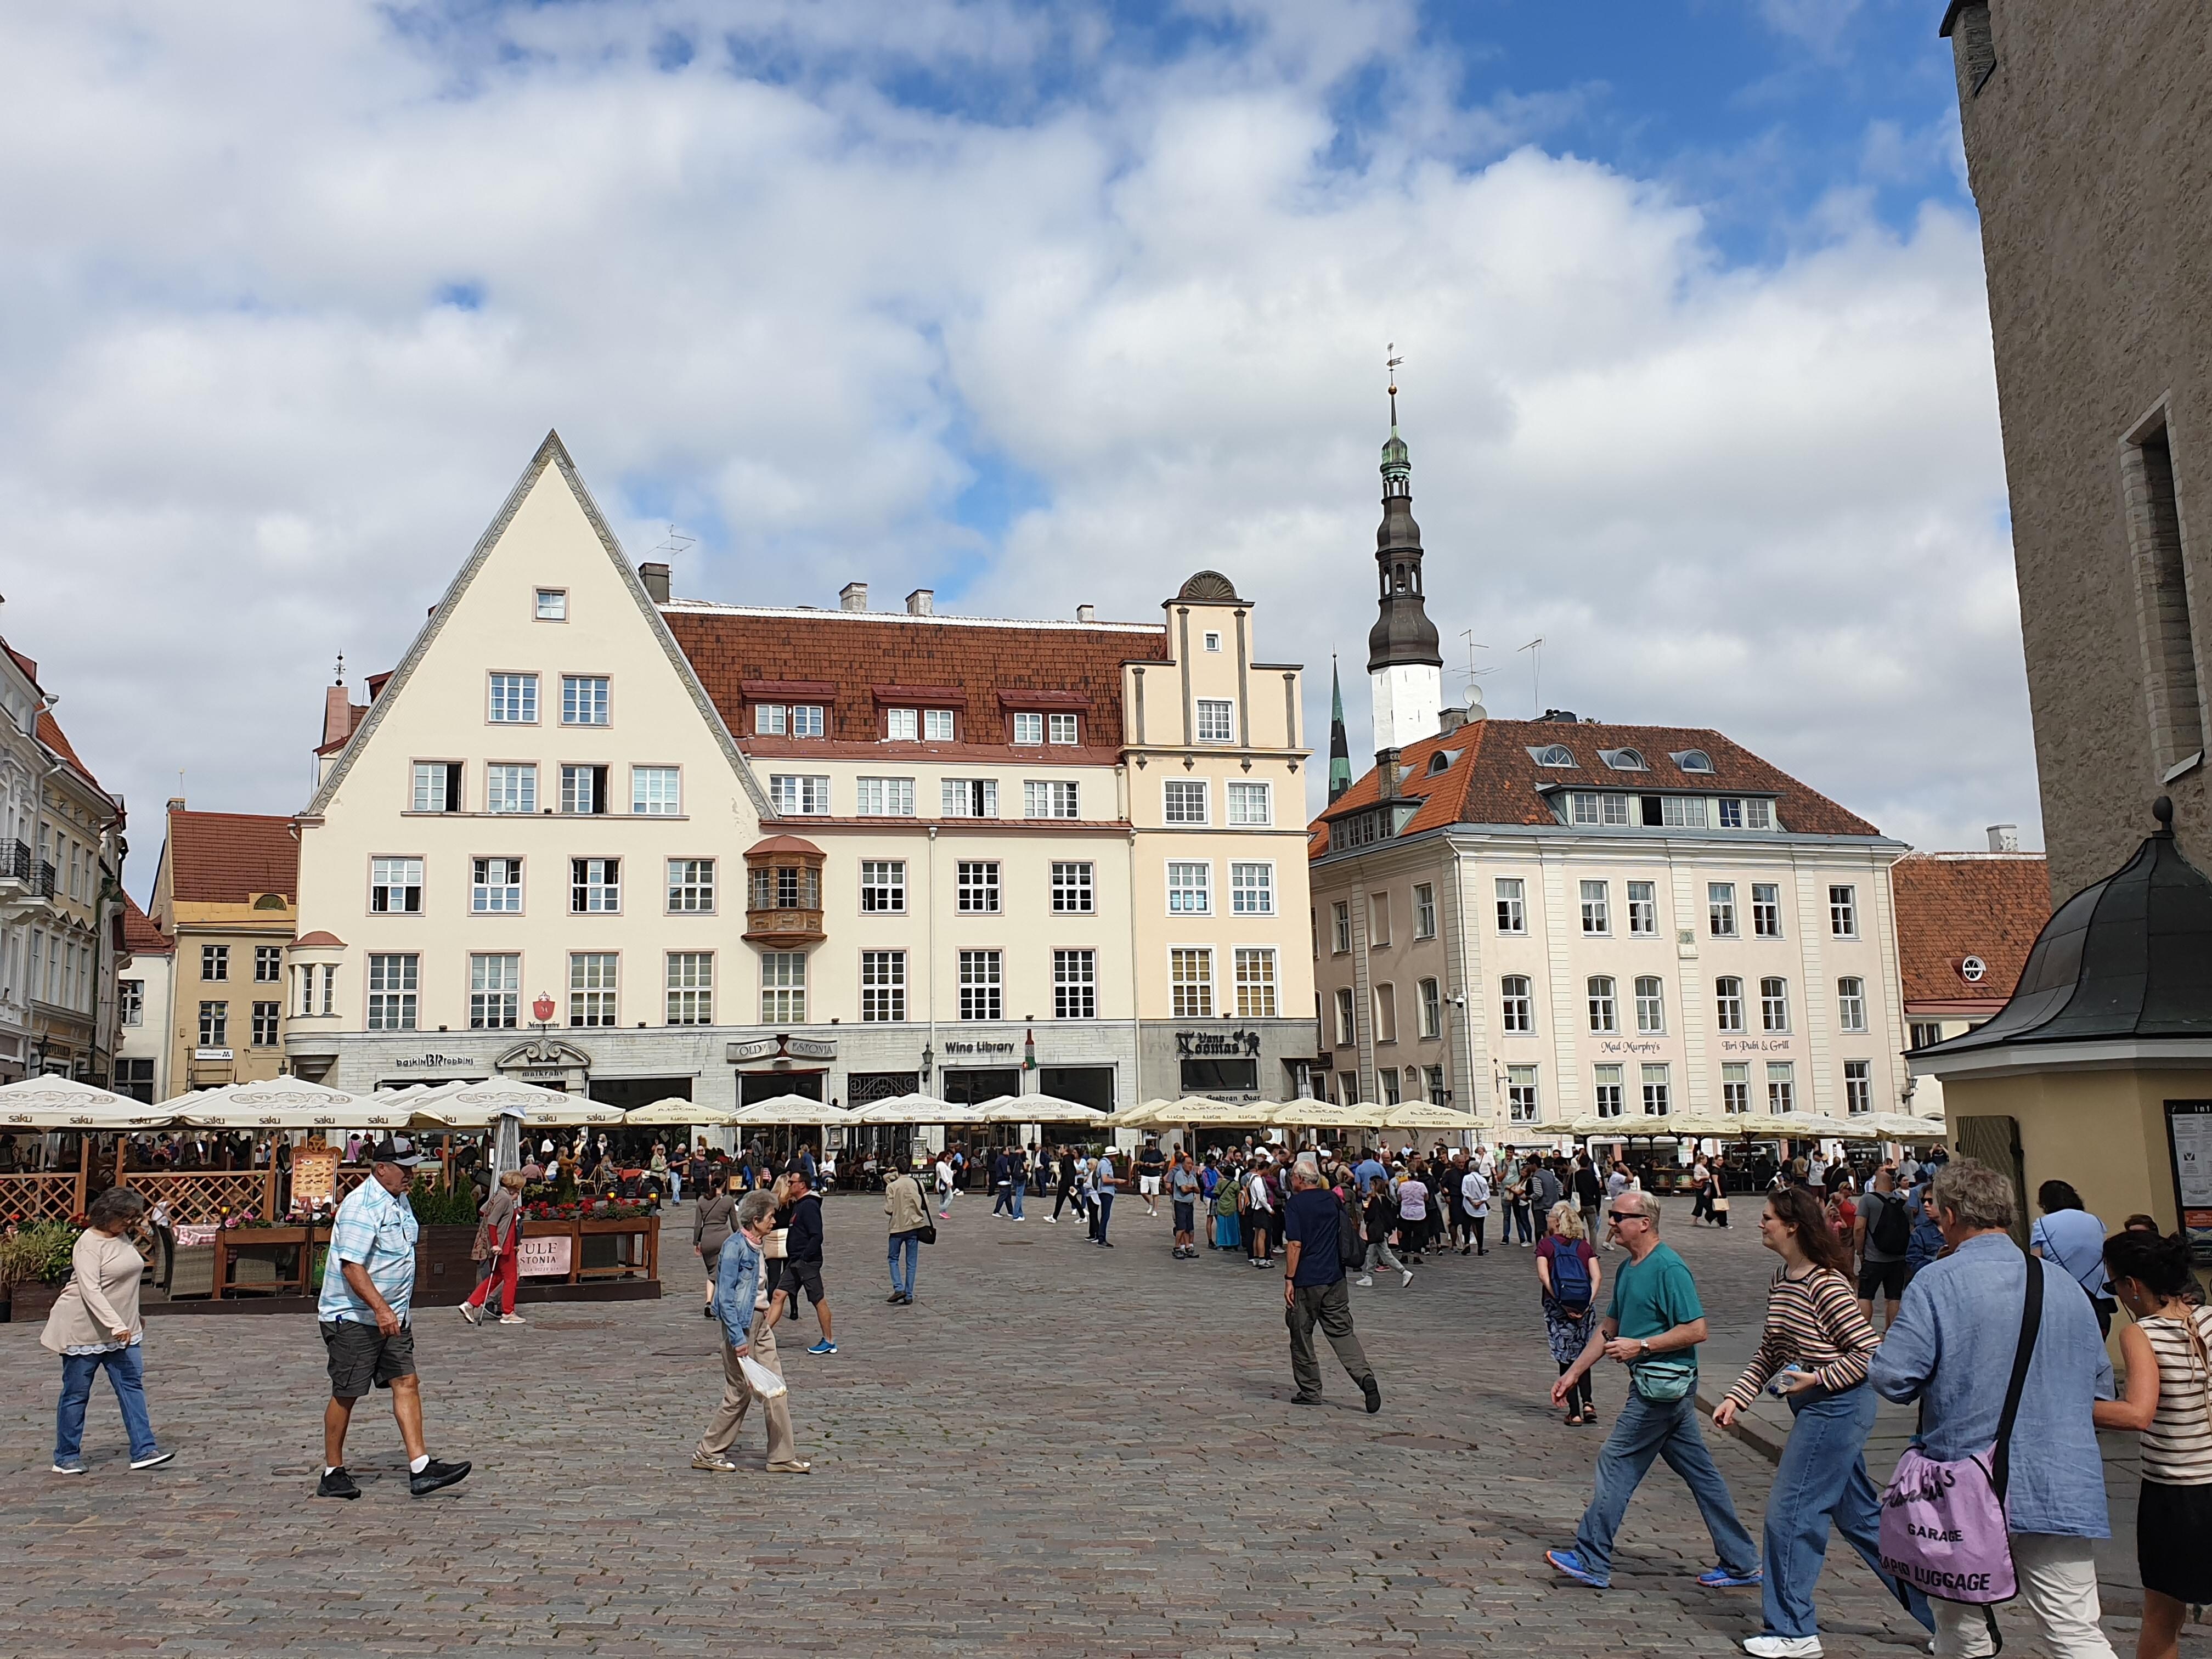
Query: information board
[314, 1175]
[2189, 1141]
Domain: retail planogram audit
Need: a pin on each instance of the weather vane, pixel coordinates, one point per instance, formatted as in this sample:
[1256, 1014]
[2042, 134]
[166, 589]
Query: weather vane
[1391, 360]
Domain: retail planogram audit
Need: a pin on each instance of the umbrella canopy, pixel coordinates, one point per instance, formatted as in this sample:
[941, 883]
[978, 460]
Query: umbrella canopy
[1421, 1115]
[62, 1103]
[1038, 1108]
[474, 1105]
[916, 1108]
[1193, 1110]
[287, 1102]
[790, 1108]
[1130, 1117]
[675, 1112]
[1320, 1115]
[1815, 1126]
[1904, 1125]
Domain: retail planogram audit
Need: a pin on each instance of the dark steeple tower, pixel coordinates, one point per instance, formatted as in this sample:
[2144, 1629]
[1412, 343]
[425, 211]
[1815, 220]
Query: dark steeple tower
[1340, 750]
[1404, 663]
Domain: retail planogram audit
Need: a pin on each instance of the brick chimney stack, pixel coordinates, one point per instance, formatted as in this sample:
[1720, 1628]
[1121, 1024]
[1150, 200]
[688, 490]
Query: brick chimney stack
[922, 602]
[852, 596]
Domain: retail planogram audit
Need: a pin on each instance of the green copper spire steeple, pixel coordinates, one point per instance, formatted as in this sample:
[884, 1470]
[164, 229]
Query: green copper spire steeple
[1339, 751]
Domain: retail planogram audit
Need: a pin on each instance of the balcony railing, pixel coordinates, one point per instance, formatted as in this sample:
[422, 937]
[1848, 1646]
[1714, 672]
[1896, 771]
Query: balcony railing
[14, 862]
[45, 881]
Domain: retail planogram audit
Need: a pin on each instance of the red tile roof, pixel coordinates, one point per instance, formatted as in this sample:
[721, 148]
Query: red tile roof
[319, 940]
[1951, 906]
[859, 654]
[222, 858]
[51, 735]
[140, 938]
[1491, 778]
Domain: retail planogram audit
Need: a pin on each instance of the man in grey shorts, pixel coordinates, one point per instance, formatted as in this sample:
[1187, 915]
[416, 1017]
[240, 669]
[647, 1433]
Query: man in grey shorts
[368, 1288]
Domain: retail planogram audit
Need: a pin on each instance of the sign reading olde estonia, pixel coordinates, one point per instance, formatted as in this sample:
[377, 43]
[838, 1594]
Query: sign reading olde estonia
[780, 1047]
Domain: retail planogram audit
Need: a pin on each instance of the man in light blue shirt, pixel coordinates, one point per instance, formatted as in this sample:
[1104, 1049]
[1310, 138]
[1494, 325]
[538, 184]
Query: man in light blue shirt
[2068, 1235]
[1951, 1348]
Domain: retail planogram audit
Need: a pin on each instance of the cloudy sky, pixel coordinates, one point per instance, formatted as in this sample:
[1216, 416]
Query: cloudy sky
[1039, 305]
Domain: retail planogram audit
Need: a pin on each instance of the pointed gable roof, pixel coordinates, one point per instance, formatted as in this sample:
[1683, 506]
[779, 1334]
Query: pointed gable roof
[141, 936]
[554, 453]
[226, 857]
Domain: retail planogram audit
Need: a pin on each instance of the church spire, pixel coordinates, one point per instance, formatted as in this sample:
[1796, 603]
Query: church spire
[1340, 749]
[1405, 661]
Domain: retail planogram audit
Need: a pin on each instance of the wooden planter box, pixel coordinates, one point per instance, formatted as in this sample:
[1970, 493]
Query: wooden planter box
[31, 1302]
[444, 1274]
[628, 1248]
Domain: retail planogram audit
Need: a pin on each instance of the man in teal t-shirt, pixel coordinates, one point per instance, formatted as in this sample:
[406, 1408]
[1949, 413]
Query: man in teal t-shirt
[1653, 1327]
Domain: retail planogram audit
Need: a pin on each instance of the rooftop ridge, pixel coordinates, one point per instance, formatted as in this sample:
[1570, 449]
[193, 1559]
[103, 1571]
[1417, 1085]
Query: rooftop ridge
[715, 608]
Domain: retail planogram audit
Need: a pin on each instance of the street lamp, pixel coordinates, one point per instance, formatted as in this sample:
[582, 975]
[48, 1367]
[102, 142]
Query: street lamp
[928, 1064]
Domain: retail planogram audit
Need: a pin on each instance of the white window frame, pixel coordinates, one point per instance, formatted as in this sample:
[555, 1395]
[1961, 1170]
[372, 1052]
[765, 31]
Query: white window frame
[1251, 888]
[511, 788]
[1766, 913]
[1651, 1005]
[1430, 993]
[883, 887]
[1643, 909]
[768, 720]
[1735, 1088]
[1074, 887]
[1253, 967]
[400, 875]
[1190, 887]
[808, 719]
[1242, 795]
[901, 725]
[1341, 928]
[494, 897]
[982, 985]
[1523, 1102]
[394, 989]
[1184, 801]
[1064, 729]
[783, 987]
[656, 792]
[688, 983]
[1597, 909]
[976, 889]
[1729, 1007]
[1512, 906]
[1658, 1089]
[1774, 1004]
[1029, 728]
[511, 698]
[549, 605]
[799, 794]
[1348, 1032]
[882, 798]
[882, 987]
[1720, 909]
[969, 798]
[1842, 911]
[1606, 1091]
[1851, 1004]
[1190, 982]
[588, 700]
[1074, 983]
[1858, 1087]
[594, 990]
[594, 886]
[1517, 1008]
[1781, 1087]
[495, 990]
[1602, 994]
[691, 887]
[937, 726]
[1216, 721]
[1050, 798]
[1425, 909]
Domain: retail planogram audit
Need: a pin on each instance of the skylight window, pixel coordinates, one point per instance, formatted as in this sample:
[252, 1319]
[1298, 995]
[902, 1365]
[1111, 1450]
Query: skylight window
[1552, 754]
[1693, 760]
[1623, 760]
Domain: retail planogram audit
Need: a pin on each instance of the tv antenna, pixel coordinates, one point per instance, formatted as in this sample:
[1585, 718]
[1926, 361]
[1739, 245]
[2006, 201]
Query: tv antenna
[1535, 650]
[675, 542]
[1473, 645]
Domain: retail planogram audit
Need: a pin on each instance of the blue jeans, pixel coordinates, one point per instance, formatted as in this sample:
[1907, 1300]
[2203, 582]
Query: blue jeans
[126, 1370]
[911, 1242]
[1667, 1429]
[1822, 1479]
[1017, 1201]
[1105, 1212]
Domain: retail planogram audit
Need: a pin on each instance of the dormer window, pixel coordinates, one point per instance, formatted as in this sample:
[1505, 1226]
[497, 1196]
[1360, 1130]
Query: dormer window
[937, 725]
[901, 725]
[1623, 760]
[1439, 762]
[1552, 754]
[1693, 760]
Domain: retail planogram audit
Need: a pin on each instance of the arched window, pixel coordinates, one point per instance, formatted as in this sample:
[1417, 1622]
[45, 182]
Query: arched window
[1693, 760]
[1556, 754]
[1624, 760]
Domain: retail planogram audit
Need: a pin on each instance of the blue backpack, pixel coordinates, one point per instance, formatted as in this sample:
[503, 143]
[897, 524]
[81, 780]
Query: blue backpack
[1570, 1279]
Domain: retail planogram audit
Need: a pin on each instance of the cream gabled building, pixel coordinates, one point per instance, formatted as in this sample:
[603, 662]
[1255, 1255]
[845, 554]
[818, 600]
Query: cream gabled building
[594, 836]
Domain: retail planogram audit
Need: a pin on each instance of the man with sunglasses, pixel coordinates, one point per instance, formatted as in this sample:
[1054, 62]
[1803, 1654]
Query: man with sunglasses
[1653, 1327]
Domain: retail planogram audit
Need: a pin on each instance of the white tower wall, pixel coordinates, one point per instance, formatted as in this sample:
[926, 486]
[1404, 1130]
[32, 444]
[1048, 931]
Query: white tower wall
[1409, 700]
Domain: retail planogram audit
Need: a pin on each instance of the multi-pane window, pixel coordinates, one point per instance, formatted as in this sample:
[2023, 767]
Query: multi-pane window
[1434, 1076]
[1656, 1093]
[768, 720]
[1432, 1008]
[511, 788]
[1190, 888]
[1851, 1004]
[798, 795]
[1604, 1010]
[515, 699]
[1588, 806]
[437, 787]
[1774, 1004]
[215, 1023]
[1843, 912]
[1766, 909]
[883, 985]
[1858, 1086]
[1386, 1012]
[1597, 907]
[594, 886]
[1781, 1086]
[1425, 910]
[1386, 1080]
[495, 886]
[1049, 800]
[1731, 813]
[1062, 728]
[901, 725]
[395, 887]
[1190, 980]
[265, 1015]
[1340, 923]
[806, 719]
[884, 798]
[1185, 800]
[1605, 1087]
[1728, 1003]
[494, 993]
[937, 725]
[214, 963]
[1924, 1034]
[583, 789]
[268, 964]
[1252, 890]
[783, 987]
[1643, 909]
[1255, 983]
[1520, 1104]
[392, 982]
[1735, 1088]
[1651, 1005]
[1029, 728]
[1684, 812]
[1512, 909]
[1075, 984]
[690, 987]
[1737, 814]
[982, 996]
[593, 986]
[976, 889]
[1517, 1008]
[552, 604]
[970, 797]
[1073, 890]
[883, 885]
[656, 792]
[1378, 920]
[131, 1002]
[1249, 802]
[583, 700]
[1720, 909]
[1347, 1032]
[786, 887]
[1216, 721]
[691, 886]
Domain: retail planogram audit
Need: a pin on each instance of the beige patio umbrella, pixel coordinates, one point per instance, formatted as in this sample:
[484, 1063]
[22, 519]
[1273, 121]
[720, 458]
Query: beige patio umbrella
[1421, 1115]
[62, 1103]
[1320, 1115]
[800, 1109]
[918, 1110]
[476, 1105]
[1039, 1109]
[1131, 1117]
[292, 1103]
[677, 1113]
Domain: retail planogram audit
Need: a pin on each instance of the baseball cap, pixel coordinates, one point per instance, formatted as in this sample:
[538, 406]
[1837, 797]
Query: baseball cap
[396, 1149]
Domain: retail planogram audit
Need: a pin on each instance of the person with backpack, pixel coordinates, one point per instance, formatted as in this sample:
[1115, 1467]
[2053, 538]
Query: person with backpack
[1589, 1197]
[1880, 1236]
[1814, 1350]
[1567, 1267]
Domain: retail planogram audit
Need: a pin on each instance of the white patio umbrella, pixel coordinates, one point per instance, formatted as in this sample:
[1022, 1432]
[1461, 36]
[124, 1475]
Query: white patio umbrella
[62, 1103]
[675, 1112]
[1038, 1108]
[1320, 1115]
[797, 1110]
[289, 1103]
[1130, 1117]
[1421, 1115]
[474, 1105]
[918, 1108]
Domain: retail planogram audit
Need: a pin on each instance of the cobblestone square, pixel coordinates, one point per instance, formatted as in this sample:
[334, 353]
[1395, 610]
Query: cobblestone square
[1060, 1449]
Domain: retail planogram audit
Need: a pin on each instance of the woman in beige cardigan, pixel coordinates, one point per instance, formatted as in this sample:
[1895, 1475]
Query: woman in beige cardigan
[95, 1324]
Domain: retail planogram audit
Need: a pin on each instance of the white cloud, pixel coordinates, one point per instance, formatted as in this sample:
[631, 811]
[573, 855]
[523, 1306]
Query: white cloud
[239, 429]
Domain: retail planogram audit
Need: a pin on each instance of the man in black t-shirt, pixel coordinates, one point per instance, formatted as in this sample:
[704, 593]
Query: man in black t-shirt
[1314, 1292]
[1151, 1165]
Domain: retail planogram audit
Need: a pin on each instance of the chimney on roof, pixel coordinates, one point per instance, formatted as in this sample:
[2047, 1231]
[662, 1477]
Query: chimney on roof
[922, 602]
[1086, 613]
[1563, 716]
[655, 578]
[2004, 838]
[852, 596]
[1386, 773]
[338, 714]
[1450, 718]
[176, 803]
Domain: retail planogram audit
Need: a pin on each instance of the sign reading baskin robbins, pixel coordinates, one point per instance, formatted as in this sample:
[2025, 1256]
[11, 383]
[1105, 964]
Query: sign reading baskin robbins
[544, 1258]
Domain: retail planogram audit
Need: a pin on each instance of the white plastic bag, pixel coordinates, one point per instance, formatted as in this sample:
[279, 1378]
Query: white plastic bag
[764, 1383]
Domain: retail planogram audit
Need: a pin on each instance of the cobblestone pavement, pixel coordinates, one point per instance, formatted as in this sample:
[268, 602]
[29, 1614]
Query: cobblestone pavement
[1059, 1451]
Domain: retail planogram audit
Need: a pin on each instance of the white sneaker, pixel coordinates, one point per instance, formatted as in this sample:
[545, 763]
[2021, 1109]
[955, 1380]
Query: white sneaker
[513, 1319]
[1054, 1219]
[1405, 1277]
[1783, 1647]
[1364, 1278]
[471, 1312]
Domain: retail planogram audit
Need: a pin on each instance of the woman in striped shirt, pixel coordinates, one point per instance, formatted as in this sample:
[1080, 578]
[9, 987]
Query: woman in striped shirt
[1814, 1350]
[2168, 1353]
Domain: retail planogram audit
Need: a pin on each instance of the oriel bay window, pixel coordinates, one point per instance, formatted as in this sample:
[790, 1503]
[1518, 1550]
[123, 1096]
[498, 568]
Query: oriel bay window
[783, 897]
